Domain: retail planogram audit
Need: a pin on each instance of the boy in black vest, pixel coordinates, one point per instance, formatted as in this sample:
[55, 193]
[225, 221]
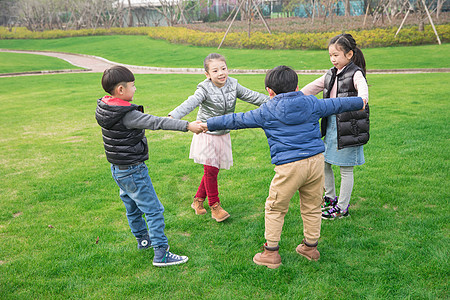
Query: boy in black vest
[123, 130]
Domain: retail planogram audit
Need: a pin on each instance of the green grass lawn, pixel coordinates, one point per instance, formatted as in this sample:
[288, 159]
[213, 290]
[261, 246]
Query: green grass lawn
[19, 62]
[58, 198]
[141, 50]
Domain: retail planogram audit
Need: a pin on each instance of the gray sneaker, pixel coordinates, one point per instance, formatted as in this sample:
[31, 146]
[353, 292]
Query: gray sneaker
[164, 258]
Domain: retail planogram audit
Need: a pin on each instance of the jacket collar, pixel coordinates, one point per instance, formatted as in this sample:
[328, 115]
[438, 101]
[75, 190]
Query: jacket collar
[115, 101]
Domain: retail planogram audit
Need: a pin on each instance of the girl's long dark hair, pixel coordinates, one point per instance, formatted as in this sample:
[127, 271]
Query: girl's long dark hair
[346, 42]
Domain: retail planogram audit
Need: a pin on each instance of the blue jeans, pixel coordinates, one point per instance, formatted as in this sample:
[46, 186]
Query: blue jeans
[139, 197]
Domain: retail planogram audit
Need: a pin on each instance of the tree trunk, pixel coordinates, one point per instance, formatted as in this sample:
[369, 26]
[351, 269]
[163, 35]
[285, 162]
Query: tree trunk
[347, 7]
[130, 15]
[420, 15]
[439, 5]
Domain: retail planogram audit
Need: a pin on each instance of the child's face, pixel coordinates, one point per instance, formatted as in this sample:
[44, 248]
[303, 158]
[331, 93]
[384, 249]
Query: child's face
[126, 92]
[217, 72]
[338, 58]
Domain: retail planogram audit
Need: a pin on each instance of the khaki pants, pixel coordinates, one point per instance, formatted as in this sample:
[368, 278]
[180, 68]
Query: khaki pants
[307, 177]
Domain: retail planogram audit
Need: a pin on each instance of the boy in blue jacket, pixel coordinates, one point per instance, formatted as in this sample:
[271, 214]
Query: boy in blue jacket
[290, 121]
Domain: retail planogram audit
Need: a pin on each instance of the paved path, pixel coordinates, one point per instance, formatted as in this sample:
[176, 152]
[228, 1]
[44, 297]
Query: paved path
[95, 64]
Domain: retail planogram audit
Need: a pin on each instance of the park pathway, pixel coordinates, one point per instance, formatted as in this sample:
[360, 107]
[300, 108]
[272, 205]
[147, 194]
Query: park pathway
[95, 64]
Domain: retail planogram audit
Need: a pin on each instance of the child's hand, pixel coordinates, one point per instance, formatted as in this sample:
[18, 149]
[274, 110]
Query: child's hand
[195, 127]
[365, 103]
[204, 126]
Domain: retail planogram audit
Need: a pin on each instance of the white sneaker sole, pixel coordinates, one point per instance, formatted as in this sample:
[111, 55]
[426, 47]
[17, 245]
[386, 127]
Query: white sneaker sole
[185, 259]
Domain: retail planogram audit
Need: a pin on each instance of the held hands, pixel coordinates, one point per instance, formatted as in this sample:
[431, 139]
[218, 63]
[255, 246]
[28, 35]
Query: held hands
[204, 126]
[195, 127]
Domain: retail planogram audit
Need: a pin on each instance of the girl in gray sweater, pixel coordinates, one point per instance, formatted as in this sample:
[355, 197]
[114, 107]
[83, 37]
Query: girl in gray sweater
[215, 96]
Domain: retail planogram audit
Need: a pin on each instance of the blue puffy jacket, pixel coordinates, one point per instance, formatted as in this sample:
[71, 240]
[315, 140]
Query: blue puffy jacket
[291, 123]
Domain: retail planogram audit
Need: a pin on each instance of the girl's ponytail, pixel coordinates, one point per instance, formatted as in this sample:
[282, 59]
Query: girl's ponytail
[358, 59]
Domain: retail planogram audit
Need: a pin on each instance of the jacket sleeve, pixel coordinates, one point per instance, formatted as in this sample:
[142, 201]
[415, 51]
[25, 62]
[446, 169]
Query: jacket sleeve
[250, 96]
[137, 120]
[332, 106]
[250, 119]
[189, 104]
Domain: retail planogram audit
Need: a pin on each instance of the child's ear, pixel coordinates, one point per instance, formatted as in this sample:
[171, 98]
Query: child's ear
[271, 92]
[118, 90]
[297, 89]
[207, 75]
[349, 54]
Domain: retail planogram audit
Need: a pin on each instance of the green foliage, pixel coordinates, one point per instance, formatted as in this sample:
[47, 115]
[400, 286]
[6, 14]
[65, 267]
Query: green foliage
[211, 17]
[18, 62]
[381, 37]
[53, 172]
[23, 33]
[160, 53]
[298, 40]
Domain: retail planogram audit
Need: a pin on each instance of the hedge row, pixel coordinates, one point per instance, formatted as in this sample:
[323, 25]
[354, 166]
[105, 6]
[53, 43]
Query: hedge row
[23, 33]
[258, 40]
[298, 40]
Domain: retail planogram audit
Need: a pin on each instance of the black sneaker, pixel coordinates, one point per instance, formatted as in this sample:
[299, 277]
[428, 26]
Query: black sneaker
[164, 258]
[328, 202]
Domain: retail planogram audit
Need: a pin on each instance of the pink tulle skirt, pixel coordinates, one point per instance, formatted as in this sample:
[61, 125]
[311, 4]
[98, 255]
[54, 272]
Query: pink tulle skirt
[212, 150]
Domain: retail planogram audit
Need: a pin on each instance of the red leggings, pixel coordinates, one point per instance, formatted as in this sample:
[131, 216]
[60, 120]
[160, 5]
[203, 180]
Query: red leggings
[208, 185]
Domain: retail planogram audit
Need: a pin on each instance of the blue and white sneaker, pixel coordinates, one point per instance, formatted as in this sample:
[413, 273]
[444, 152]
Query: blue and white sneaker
[328, 202]
[164, 258]
[335, 213]
[143, 241]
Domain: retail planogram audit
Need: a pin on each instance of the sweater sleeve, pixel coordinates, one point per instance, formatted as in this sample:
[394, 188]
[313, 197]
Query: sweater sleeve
[361, 85]
[137, 120]
[250, 96]
[189, 104]
[250, 119]
[314, 87]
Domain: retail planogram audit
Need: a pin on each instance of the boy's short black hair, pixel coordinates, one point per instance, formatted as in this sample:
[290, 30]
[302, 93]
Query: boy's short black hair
[115, 75]
[281, 79]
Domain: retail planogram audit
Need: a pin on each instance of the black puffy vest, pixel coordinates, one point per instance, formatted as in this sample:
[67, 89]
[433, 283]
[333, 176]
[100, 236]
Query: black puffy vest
[352, 126]
[123, 146]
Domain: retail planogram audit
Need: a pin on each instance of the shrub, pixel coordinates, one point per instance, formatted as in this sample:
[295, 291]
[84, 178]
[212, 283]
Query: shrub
[298, 40]
[380, 37]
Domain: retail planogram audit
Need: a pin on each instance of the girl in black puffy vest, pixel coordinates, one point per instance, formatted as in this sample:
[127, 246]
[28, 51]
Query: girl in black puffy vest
[346, 133]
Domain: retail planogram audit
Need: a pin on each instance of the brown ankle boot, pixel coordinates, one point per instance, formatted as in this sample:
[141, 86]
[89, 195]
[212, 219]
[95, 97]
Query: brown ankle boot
[308, 251]
[218, 213]
[197, 205]
[269, 258]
